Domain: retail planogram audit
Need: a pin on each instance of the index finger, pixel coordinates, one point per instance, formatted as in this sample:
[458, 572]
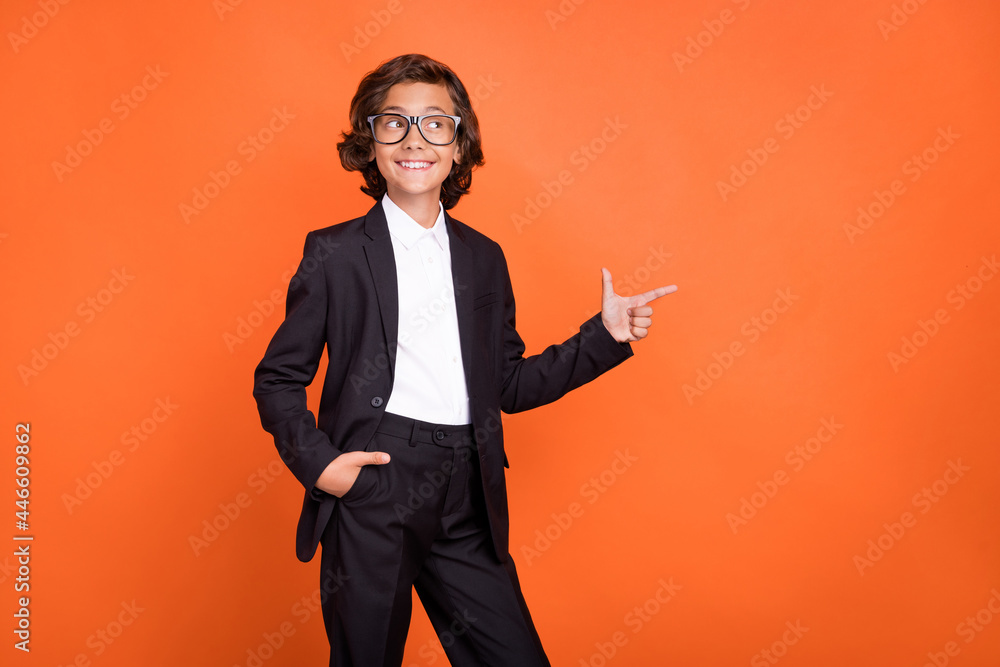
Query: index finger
[654, 294]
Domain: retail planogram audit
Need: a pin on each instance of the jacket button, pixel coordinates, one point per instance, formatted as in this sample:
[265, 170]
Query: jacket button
[439, 434]
[377, 402]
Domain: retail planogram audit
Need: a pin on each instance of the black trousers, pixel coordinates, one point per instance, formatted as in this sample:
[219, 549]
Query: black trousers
[420, 522]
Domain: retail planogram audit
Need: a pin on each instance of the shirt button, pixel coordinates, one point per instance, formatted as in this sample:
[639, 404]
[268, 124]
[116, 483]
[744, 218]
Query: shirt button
[377, 402]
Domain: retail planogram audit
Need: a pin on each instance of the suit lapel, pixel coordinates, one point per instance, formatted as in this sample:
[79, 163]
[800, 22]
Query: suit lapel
[382, 264]
[462, 277]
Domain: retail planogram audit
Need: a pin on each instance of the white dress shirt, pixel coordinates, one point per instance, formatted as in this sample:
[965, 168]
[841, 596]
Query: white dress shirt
[429, 379]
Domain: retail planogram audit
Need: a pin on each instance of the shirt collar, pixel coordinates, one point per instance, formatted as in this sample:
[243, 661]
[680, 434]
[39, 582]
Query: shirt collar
[408, 231]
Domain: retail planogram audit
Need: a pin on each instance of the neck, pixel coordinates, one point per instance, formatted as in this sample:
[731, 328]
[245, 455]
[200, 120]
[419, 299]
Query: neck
[423, 207]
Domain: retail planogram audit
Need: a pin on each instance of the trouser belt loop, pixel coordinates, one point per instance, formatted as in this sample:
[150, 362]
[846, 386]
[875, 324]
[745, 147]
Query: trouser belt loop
[414, 433]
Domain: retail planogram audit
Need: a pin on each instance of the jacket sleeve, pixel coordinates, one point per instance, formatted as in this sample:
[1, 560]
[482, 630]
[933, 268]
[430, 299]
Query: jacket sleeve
[289, 366]
[529, 382]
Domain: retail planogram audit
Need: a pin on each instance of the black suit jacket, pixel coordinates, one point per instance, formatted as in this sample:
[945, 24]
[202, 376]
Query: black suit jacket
[344, 297]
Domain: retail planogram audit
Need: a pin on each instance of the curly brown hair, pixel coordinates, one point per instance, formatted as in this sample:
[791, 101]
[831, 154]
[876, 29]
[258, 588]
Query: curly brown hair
[356, 148]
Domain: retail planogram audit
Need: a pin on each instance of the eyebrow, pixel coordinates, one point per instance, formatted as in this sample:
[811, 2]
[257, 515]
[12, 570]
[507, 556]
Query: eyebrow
[401, 110]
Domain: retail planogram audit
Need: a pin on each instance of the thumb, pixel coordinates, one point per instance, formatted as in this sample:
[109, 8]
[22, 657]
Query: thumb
[378, 458]
[607, 289]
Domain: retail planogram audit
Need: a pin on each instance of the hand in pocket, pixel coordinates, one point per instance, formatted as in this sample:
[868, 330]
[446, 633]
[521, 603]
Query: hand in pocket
[338, 477]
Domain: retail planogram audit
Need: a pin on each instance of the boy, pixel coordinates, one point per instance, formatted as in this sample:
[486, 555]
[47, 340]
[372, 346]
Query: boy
[404, 471]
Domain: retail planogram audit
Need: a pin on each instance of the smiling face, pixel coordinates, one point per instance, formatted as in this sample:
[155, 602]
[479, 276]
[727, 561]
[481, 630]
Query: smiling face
[414, 169]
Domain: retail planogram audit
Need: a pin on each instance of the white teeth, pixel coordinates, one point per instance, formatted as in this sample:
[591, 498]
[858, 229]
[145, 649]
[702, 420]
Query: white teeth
[415, 165]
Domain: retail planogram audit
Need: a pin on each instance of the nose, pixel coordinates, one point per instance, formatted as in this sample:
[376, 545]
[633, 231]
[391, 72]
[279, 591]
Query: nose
[413, 136]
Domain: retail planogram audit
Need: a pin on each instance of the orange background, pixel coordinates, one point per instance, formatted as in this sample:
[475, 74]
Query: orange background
[543, 89]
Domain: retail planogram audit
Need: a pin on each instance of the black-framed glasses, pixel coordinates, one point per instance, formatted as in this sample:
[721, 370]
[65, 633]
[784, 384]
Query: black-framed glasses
[436, 129]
